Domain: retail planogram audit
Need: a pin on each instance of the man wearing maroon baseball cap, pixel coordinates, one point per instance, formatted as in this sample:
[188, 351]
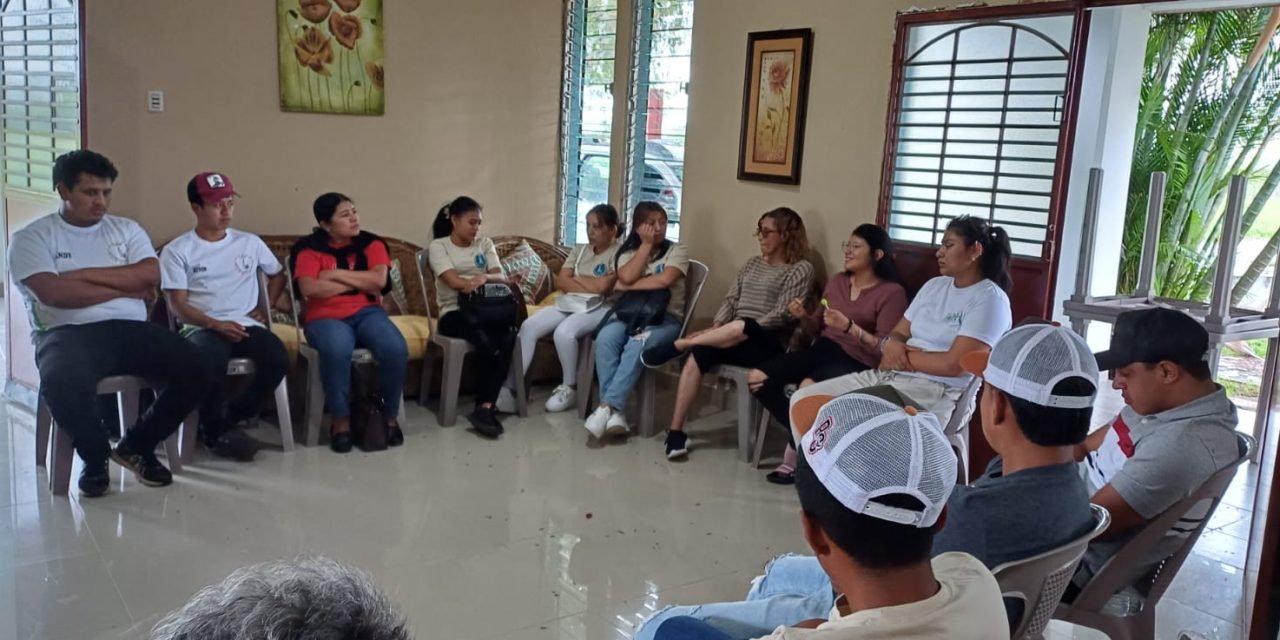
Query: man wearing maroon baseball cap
[210, 278]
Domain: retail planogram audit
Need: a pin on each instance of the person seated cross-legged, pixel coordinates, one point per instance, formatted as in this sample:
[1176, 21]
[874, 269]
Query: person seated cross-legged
[210, 278]
[86, 277]
[1040, 386]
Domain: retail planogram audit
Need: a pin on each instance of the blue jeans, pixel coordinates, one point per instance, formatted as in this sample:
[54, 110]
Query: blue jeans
[371, 329]
[793, 589]
[618, 357]
[686, 628]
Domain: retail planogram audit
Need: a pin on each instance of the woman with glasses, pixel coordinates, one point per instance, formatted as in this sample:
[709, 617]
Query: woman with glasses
[860, 305]
[753, 321]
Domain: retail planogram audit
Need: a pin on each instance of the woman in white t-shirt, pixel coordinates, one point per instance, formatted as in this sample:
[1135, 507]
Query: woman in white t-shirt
[647, 264]
[589, 269]
[965, 309]
[463, 262]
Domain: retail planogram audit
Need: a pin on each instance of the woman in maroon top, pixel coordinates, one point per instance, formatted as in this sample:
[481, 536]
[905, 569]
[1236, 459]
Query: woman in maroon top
[859, 306]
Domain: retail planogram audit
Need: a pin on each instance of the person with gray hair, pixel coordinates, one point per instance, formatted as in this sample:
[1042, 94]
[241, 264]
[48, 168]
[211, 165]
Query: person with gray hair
[308, 598]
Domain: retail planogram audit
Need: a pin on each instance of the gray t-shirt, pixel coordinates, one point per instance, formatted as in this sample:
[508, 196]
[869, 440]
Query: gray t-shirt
[1153, 462]
[1001, 518]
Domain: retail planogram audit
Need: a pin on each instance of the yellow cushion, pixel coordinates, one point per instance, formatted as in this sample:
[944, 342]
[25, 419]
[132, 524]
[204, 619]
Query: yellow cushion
[288, 334]
[549, 301]
[416, 331]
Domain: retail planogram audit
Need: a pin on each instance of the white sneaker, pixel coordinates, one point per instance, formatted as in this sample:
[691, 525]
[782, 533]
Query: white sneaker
[597, 420]
[562, 399]
[617, 425]
[506, 402]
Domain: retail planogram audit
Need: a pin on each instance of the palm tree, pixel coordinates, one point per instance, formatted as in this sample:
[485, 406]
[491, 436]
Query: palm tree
[1208, 107]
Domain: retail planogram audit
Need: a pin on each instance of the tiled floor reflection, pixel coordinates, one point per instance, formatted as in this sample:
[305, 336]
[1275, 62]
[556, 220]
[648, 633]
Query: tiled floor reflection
[538, 535]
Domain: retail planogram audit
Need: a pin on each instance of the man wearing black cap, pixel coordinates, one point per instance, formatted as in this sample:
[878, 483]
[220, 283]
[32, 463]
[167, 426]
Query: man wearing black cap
[1176, 430]
[210, 278]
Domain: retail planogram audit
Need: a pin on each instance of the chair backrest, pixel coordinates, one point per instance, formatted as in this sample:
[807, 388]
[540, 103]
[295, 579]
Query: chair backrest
[294, 306]
[1039, 581]
[694, 281]
[1117, 573]
[424, 274]
[965, 405]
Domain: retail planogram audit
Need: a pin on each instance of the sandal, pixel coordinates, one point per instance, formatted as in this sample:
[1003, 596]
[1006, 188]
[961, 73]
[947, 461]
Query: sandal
[786, 472]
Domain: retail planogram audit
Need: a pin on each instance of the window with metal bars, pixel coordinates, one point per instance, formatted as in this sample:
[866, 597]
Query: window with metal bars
[40, 53]
[657, 99]
[977, 127]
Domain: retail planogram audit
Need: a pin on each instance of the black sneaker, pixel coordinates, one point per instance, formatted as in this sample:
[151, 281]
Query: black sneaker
[95, 479]
[677, 445]
[395, 436]
[659, 354]
[485, 423]
[233, 443]
[145, 466]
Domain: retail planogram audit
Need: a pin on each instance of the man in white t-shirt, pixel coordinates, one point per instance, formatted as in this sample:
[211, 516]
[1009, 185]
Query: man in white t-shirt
[874, 478]
[86, 277]
[210, 278]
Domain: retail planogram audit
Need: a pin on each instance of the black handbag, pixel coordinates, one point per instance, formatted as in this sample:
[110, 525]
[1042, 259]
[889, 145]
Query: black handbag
[368, 415]
[491, 306]
[638, 309]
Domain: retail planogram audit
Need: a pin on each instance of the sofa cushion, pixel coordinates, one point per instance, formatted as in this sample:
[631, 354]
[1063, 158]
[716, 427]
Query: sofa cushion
[535, 276]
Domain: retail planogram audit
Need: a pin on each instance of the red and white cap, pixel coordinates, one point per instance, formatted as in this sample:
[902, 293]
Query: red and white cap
[214, 187]
[1030, 360]
[874, 442]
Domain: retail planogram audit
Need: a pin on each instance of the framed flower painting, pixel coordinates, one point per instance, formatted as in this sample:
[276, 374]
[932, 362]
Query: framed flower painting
[774, 98]
[331, 56]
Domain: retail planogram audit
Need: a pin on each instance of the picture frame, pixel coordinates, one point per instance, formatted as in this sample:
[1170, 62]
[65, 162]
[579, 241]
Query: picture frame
[331, 56]
[775, 98]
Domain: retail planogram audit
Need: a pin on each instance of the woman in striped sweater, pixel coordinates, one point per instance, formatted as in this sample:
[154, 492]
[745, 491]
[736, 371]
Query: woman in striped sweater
[752, 323]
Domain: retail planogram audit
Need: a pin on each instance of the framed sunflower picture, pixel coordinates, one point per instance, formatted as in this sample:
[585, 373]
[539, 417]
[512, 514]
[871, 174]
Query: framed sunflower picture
[331, 56]
[774, 98]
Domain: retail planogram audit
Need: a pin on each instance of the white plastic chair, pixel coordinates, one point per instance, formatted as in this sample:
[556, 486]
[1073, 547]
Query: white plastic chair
[243, 367]
[1039, 581]
[49, 436]
[957, 428]
[453, 352]
[694, 282]
[1087, 609]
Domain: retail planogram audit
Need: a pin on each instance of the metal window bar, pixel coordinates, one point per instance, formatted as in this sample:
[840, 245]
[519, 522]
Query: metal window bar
[38, 33]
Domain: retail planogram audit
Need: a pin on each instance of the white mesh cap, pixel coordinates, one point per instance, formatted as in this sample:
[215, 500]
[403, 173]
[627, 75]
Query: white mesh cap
[1028, 361]
[864, 446]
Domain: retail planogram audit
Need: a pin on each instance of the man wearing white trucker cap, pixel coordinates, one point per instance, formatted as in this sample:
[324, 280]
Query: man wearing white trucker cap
[873, 477]
[1036, 409]
[210, 279]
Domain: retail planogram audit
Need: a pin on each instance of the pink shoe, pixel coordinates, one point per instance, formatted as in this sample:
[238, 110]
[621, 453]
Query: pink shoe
[786, 472]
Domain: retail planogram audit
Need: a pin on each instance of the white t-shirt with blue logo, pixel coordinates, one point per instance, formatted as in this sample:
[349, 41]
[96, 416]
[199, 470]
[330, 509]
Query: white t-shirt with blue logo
[443, 255]
[221, 277]
[51, 245]
[586, 262]
[942, 311]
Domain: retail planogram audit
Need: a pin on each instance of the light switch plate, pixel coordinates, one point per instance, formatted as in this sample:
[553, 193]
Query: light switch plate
[155, 101]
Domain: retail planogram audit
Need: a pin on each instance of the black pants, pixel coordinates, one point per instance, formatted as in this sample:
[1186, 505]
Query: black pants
[73, 358]
[821, 361]
[270, 360]
[492, 356]
[760, 346]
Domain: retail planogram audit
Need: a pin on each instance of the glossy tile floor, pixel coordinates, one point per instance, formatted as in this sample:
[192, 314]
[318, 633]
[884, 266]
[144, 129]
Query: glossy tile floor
[538, 535]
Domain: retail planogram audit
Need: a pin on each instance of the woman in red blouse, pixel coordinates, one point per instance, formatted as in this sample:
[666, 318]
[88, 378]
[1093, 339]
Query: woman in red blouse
[342, 273]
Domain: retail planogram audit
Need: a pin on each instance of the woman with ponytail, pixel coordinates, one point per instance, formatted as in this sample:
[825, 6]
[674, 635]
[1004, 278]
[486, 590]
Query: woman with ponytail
[463, 262]
[342, 272]
[963, 310]
[589, 270]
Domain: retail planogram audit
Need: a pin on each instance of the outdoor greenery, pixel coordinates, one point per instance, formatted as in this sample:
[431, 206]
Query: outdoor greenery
[1208, 109]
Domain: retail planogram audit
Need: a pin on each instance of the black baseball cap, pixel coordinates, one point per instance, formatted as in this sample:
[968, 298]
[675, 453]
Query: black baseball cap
[1155, 335]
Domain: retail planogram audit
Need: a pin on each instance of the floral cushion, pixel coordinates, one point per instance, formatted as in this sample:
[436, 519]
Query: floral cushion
[535, 276]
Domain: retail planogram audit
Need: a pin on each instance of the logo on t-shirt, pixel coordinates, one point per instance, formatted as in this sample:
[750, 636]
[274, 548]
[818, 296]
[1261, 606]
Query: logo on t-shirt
[599, 270]
[62, 255]
[481, 261]
[956, 318]
[659, 268]
[244, 263]
[198, 269]
[119, 251]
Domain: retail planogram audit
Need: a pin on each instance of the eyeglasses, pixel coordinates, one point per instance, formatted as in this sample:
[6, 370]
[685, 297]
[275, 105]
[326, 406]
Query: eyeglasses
[762, 232]
[847, 246]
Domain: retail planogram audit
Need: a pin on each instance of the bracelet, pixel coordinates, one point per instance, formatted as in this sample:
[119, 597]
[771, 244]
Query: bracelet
[849, 328]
